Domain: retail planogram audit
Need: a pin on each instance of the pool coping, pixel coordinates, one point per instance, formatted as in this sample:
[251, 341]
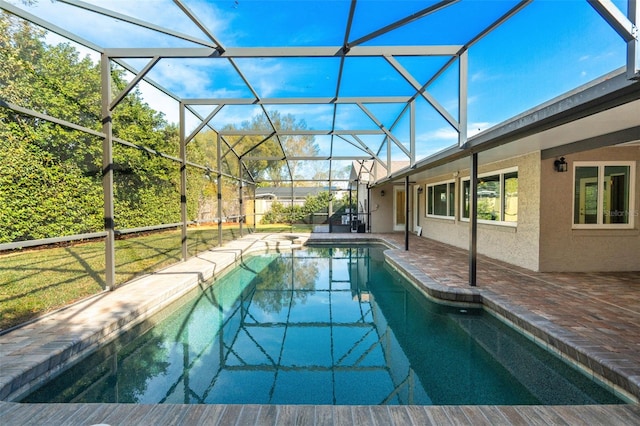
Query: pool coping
[319, 415]
[543, 332]
[40, 349]
[38, 358]
[566, 344]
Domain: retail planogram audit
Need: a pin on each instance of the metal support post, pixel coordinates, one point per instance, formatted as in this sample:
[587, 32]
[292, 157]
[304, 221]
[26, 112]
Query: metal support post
[183, 183]
[417, 206]
[241, 206]
[360, 220]
[633, 46]
[368, 208]
[219, 165]
[473, 219]
[626, 27]
[388, 155]
[107, 173]
[412, 134]
[351, 211]
[330, 210]
[406, 213]
[462, 98]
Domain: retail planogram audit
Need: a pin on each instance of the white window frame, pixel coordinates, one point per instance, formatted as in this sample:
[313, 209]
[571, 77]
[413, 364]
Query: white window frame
[501, 173]
[426, 201]
[632, 191]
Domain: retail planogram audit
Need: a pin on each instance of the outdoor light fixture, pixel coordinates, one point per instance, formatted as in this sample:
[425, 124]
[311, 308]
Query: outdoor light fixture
[420, 189]
[382, 193]
[560, 165]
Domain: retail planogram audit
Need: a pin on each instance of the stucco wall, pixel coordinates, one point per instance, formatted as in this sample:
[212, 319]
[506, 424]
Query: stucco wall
[382, 209]
[565, 249]
[517, 245]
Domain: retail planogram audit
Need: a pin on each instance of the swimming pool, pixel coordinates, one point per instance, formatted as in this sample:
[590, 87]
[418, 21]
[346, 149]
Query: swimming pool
[322, 326]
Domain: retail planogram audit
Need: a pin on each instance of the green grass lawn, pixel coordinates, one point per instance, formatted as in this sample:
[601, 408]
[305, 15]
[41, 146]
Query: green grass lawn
[33, 282]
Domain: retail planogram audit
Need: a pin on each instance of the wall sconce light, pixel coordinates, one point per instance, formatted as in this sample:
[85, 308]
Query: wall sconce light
[560, 165]
[420, 189]
[382, 193]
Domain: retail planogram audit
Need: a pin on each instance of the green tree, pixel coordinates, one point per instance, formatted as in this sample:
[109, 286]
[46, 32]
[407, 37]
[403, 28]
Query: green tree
[51, 176]
[280, 213]
[41, 198]
[256, 146]
[47, 187]
[282, 279]
[146, 186]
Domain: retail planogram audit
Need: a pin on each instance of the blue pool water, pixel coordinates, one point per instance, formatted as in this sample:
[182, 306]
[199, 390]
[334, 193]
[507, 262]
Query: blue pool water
[321, 326]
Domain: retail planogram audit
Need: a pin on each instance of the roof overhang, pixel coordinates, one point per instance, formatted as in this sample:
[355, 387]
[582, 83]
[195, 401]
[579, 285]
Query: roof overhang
[605, 112]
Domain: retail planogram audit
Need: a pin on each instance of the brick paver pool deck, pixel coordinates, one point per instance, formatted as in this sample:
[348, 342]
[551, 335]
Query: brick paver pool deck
[589, 318]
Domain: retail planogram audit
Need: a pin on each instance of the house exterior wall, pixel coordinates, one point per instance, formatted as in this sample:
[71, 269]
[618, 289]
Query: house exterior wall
[565, 249]
[519, 244]
[544, 238]
[382, 209]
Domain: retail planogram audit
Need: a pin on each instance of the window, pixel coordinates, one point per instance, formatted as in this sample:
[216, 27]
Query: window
[441, 199]
[497, 197]
[603, 195]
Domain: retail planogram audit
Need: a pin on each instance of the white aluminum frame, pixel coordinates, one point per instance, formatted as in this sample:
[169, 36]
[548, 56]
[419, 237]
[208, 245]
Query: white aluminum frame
[633, 213]
[625, 26]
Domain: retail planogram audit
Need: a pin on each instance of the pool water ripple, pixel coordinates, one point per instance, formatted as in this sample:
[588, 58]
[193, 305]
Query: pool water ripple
[322, 326]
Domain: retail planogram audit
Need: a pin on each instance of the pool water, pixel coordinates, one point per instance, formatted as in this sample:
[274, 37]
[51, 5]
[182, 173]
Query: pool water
[322, 326]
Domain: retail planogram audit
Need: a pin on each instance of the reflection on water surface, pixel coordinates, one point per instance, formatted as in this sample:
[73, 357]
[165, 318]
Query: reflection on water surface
[321, 326]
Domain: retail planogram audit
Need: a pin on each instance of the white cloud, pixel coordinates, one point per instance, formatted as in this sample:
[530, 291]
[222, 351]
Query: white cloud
[186, 77]
[482, 76]
[477, 76]
[317, 117]
[54, 39]
[351, 117]
[105, 31]
[440, 134]
[449, 135]
[477, 127]
[264, 75]
[472, 99]
[166, 14]
[235, 115]
[160, 102]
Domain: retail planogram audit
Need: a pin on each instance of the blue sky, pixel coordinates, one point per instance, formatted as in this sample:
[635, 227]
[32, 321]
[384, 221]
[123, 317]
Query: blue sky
[548, 48]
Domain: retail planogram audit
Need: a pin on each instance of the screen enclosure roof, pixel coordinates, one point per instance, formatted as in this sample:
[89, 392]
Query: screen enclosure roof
[376, 82]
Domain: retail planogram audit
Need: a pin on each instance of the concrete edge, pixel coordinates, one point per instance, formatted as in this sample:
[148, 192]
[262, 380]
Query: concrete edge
[533, 326]
[540, 330]
[71, 352]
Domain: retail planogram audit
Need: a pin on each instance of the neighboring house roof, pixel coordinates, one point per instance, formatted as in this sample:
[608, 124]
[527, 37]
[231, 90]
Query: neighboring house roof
[368, 171]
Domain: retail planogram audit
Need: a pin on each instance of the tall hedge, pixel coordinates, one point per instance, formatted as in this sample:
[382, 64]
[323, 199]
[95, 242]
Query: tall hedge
[50, 176]
[282, 213]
